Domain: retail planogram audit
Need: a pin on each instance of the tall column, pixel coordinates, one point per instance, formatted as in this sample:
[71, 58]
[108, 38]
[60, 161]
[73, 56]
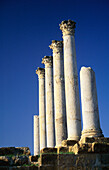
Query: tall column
[59, 92]
[36, 135]
[71, 81]
[48, 61]
[42, 108]
[90, 113]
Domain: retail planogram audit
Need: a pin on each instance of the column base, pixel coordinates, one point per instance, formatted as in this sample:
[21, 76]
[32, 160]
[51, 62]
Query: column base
[75, 138]
[91, 133]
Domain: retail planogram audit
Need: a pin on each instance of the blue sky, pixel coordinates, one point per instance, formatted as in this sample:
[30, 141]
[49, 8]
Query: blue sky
[27, 28]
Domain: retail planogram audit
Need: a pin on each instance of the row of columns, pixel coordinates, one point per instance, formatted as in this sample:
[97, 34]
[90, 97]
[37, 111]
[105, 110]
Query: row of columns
[62, 98]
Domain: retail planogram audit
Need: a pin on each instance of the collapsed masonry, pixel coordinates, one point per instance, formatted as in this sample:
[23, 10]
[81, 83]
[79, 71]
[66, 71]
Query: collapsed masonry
[59, 120]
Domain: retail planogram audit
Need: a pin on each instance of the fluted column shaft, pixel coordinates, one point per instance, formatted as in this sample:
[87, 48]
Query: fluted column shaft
[42, 107]
[36, 135]
[48, 61]
[90, 112]
[59, 92]
[71, 81]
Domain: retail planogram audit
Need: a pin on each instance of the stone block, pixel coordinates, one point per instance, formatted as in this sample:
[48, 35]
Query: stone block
[66, 143]
[81, 148]
[66, 160]
[100, 148]
[34, 158]
[48, 168]
[62, 149]
[23, 168]
[14, 151]
[48, 159]
[94, 139]
[4, 161]
[21, 160]
[48, 150]
[24, 150]
[85, 148]
[85, 160]
[105, 159]
[66, 168]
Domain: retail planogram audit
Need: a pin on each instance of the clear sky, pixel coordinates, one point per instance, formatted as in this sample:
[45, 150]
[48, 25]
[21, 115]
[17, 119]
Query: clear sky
[27, 28]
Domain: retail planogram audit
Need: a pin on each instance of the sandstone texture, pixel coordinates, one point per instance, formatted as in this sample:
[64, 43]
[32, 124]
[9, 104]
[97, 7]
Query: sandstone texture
[14, 151]
[79, 156]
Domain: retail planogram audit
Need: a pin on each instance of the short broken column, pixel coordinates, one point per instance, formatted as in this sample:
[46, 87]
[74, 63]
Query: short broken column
[71, 81]
[59, 92]
[36, 135]
[50, 130]
[90, 112]
[42, 107]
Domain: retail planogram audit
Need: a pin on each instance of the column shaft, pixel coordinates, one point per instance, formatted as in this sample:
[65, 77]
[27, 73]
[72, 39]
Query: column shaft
[59, 92]
[36, 135]
[71, 81]
[48, 61]
[42, 107]
[90, 112]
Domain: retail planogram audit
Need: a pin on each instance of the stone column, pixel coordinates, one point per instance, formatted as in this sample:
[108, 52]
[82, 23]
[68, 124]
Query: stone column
[59, 92]
[48, 61]
[90, 113]
[71, 81]
[36, 135]
[42, 108]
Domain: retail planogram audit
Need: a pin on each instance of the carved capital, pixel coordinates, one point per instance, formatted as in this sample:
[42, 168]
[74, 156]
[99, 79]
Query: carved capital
[56, 46]
[40, 72]
[48, 61]
[68, 27]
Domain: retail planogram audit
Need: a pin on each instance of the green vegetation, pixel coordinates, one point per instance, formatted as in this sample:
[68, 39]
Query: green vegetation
[66, 152]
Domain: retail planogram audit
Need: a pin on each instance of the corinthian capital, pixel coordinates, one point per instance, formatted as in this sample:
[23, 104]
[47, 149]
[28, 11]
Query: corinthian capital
[48, 61]
[40, 72]
[56, 46]
[68, 27]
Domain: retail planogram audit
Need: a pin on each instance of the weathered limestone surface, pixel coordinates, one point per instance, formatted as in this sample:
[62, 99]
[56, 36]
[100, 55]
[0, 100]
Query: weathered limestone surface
[71, 81]
[36, 135]
[14, 161]
[59, 92]
[90, 112]
[49, 150]
[48, 61]
[42, 108]
[62, 149]
[95, 147]
[66, 143]
[14, 151]
[95, 139]
[74, 162]
[80, 156]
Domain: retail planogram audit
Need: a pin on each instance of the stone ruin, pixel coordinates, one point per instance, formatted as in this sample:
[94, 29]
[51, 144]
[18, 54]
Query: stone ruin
[59, 102]
[57, 129]
[59, 143]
